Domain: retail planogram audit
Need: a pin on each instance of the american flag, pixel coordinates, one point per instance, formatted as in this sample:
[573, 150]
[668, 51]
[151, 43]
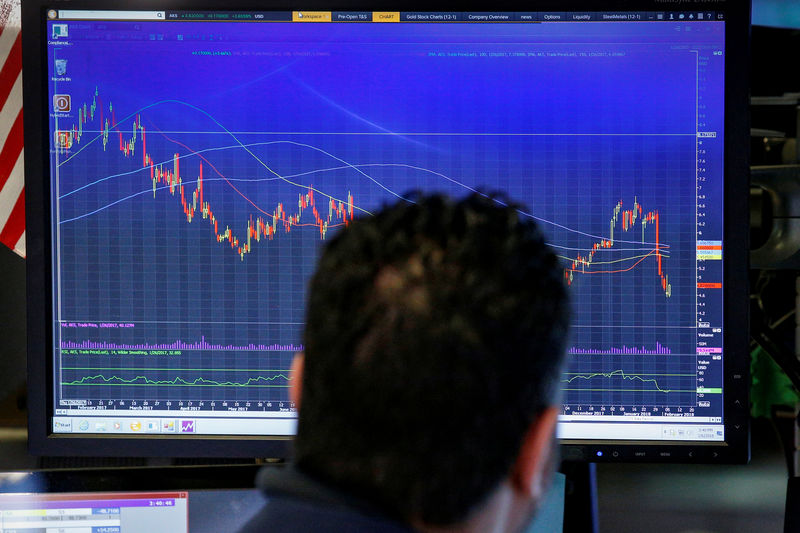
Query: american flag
[12, 183]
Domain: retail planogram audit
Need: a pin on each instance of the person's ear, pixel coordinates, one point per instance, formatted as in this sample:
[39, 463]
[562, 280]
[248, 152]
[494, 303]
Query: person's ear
[532, 468]
[296, 381]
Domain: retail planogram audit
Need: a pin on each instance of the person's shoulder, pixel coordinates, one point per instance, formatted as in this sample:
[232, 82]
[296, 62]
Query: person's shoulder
[296, 502]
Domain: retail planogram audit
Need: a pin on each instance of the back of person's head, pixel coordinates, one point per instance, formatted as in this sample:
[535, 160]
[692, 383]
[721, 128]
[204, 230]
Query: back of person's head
[435, 336]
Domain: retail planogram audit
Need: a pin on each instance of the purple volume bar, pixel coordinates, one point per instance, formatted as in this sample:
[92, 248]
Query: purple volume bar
[181, 345]
[625, 350]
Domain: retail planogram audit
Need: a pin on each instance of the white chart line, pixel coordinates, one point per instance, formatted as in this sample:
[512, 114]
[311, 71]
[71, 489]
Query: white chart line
[421, 134]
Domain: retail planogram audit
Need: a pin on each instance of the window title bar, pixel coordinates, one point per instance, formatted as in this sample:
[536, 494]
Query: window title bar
[382, 16]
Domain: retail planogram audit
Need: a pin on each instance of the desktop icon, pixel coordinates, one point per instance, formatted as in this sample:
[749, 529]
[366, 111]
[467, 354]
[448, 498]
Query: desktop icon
[187, 426]
[136, 425]
[168, 426]
[63, 139]
[152, 426]
[117, 425]
[84, 425]
[60, 67]
[60, 30]
[100, 427]
[62, 103]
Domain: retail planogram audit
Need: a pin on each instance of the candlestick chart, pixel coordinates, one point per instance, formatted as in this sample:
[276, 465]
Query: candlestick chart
[631, 243]
[189, 221]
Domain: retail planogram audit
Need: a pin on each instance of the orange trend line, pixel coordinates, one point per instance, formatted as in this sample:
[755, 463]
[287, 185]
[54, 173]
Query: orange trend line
[613, 271]
[627, 219]
[265, 227]
[232, 186]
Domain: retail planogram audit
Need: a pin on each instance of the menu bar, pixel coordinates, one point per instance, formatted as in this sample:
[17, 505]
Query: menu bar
[392, 16]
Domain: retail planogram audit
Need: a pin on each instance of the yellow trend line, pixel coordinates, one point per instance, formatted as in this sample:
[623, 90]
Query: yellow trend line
[570, 259]
[116, 380]
[234, 137]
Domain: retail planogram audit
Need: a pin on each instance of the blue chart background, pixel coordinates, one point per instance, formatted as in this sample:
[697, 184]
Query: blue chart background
[563, 117]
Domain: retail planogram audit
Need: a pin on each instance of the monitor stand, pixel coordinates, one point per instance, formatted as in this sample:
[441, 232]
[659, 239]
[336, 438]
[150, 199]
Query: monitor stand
[580, 504]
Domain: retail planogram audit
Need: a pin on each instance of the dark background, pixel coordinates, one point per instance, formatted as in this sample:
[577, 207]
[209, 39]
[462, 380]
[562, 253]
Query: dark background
[12, 334]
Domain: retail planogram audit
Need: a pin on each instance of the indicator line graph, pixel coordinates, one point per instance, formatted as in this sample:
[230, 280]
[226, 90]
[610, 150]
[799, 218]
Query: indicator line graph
[643, 378]
[144, 381]
[693, 391]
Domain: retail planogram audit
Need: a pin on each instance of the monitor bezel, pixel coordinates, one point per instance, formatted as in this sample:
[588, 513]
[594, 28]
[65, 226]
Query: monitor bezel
[134, 479]
[42, 441]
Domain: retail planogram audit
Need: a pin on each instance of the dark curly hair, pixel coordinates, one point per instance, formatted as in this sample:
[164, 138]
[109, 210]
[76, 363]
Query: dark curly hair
[435, 334]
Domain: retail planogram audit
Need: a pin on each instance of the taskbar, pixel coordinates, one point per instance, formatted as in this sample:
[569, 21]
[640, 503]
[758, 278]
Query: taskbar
[185, 426]
[285, 426]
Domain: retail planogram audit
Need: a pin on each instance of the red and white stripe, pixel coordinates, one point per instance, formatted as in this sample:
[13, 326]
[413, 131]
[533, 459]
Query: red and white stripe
[12, 182]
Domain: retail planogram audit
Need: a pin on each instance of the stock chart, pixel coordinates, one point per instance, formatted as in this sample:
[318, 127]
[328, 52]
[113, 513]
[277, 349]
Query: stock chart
[197, 169]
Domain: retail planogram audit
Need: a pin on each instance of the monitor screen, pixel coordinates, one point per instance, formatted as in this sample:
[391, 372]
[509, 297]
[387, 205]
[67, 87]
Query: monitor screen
[195, 161]
[95, 512]
[150, 511]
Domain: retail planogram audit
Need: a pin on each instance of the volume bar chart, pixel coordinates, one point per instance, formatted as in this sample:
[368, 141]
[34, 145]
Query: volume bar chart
[200, 345]
[623, 350]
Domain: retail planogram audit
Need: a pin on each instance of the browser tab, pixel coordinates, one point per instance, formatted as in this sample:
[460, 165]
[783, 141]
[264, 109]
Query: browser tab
[581, 17]
[620, 16]
[430, 16]
[527, 16]
[385, 16]
[488, 17]
[352, 16]
[311, 16]
[552, 17]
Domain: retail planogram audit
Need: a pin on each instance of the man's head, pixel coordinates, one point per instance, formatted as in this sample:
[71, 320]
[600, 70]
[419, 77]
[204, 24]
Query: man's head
[434, 339]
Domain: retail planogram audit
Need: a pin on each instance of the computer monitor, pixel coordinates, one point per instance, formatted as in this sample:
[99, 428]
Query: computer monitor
[185, 163]
[141, 500]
